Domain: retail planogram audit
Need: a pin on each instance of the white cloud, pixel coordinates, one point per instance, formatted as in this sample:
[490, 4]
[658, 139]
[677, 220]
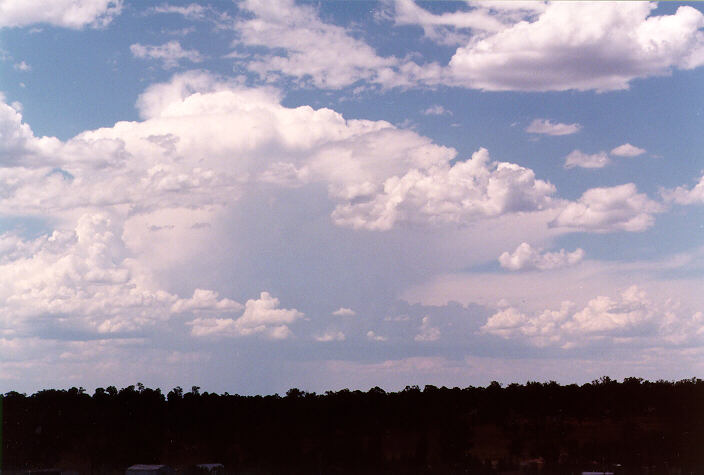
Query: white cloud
[265, 311]
[331, 336]
[320, 52]
[558, 50]
[576, 158]
[547, 127]
[169, 53]
[603, 210]
[262, 315]
[200, 144]
[19, 146]
[627, 150]
[630, 318]
[22, 66]
[436, 110]
[455, 27]
[469, 190]
[205, 300]
[527, 257]
[427, 331]
[374, 337]
[83, 279]
[686, 196]
[540, 47]
[344, 312]
[74, 14]
[192, 11]
[195, 12]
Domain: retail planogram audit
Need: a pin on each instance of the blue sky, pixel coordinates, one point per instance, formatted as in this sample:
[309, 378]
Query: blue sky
[250, 196]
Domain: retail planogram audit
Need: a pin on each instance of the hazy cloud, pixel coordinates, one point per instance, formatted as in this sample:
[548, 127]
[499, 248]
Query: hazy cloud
[344, 312]
[169, 53]
[577, 158]
[547, 127]
[427, 331]
[436, 110]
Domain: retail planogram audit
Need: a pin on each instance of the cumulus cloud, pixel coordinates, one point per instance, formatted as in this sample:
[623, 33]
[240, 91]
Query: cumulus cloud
[547, 127]
[630, 317]
[374, 337]
[200, 143]
[469, 190]
[205, 300]
[73, 14]
[203, 143]
[170, 54]
[344, 312]
[19, 146]
[577, 158]
[526, 257]
[684, 195]
[82, 278]
[427, 331]
[331, 336]
[627, 150]
[264, 314]
[261, 315]
[524, 47]
[603, 210]
[557, 50]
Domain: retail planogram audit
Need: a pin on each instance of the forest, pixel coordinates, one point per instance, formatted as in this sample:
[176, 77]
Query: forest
[632, 426]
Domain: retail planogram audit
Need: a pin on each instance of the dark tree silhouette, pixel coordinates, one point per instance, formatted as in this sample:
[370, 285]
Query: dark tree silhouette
[632, 426]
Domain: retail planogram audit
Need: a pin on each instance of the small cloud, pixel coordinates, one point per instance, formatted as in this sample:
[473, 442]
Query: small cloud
[169, 53]
[427, 332]
[261, 316]
[155, 228]
[627, 150]
[344, 312]
[22, 66]
[610, 209]
[527, 257]
[577, 158]
[397, 318]
[374, 337]
[330, 336]
[684, 195]
[192, 11]
[546, 127]
[436, 110]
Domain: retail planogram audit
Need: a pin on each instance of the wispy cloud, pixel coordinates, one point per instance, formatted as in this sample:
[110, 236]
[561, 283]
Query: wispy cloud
[547, 127]
[170, 54]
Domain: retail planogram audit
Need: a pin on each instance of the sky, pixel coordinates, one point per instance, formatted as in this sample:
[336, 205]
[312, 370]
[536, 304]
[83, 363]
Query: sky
[251, 196]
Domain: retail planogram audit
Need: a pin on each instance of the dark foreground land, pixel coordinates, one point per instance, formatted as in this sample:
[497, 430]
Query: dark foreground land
[633, 426]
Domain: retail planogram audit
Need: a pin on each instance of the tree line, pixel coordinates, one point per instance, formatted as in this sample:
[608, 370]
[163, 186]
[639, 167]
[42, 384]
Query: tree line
[631, 426]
